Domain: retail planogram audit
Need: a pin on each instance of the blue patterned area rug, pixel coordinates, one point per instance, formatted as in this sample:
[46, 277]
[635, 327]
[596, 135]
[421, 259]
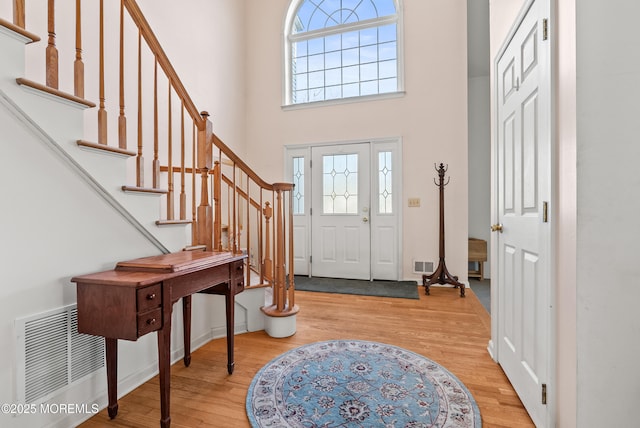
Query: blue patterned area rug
[352, 383]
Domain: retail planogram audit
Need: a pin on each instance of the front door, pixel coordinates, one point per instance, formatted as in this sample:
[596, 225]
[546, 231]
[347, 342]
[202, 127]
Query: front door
[341, 244]
[522, 231]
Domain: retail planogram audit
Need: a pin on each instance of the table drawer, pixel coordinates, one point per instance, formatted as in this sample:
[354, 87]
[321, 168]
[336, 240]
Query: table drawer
[149, 321]
[237, 276]
[149, 297]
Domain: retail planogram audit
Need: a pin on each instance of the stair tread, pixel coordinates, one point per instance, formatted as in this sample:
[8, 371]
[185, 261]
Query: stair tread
[195, 248]
[105, 148]
[171, 222]
[55, 92]
[11, 26]
[144, 190]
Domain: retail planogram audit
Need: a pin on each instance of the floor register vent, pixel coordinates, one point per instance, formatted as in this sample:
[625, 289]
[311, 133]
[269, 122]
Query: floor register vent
[421, 266]
[52, 354]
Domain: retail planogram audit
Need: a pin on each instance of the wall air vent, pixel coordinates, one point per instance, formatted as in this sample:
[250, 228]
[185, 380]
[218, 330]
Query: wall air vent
[52, 355]
[421, 266]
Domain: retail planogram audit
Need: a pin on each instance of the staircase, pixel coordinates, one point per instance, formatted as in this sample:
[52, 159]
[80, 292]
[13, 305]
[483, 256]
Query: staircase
[205, 191]
[152, 154]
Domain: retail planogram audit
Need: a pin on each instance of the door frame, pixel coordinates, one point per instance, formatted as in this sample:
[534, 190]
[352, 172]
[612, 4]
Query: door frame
[393, 144]
[547, 10]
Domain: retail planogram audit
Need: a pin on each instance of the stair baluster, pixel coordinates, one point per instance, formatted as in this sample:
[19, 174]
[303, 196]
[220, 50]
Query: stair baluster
[194, 224]
[217, 193]
[170, 207]
[52, 50]
[236, 211]
[156, 143]
[139, 157]
[122, 119]
[183, 195]
[102, 113]
[19, 13]
[78, 65]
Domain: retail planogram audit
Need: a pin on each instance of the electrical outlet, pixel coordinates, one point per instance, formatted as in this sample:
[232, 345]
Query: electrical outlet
[414, 202]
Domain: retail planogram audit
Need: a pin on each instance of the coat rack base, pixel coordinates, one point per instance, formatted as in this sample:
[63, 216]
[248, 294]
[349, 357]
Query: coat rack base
[441, 276]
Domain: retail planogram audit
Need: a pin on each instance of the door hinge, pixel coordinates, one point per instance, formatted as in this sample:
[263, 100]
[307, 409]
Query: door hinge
[310, 259]
[310, 163]
[545, 29]
[310, 211]
[544, 393]
[545, 212]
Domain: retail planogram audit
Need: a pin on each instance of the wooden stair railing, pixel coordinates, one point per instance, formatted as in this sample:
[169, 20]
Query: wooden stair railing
[229, 207]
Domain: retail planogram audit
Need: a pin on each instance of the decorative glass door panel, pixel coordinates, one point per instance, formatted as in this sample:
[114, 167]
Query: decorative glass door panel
[340, 184]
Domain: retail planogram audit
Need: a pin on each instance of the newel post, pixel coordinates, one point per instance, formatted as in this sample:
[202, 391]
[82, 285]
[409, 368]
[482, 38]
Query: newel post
[205, 164]
[292, 284]
[280, 316]
[279, 288]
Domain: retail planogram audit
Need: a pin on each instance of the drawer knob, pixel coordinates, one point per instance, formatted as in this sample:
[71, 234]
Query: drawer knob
[151, 296]
[151, 321]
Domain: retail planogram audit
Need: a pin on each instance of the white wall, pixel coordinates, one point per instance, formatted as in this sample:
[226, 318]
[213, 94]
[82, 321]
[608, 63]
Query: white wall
[431, 118]
[608, 202]
[205, 41]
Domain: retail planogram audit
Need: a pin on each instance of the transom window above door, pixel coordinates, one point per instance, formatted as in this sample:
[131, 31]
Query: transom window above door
[339, 49]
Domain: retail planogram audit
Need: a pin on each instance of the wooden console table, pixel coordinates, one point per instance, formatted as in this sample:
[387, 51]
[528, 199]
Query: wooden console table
[137, 298]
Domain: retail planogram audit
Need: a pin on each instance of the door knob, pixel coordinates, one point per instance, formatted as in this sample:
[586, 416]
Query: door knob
[496, 228]
[364, 219]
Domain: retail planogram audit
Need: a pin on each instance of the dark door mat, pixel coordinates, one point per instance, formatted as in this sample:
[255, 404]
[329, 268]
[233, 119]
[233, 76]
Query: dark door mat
[399, 289]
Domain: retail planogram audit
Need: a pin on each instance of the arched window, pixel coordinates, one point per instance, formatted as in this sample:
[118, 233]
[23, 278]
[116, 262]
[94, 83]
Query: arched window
[339, 49]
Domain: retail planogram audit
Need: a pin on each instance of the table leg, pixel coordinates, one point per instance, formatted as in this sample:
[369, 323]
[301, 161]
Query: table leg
[230, 301]
[164, 367]
[186, 323]
[111, 346]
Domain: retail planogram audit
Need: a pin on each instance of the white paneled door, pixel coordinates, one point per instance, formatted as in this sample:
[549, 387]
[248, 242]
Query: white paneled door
[522, 232]
[341, 238]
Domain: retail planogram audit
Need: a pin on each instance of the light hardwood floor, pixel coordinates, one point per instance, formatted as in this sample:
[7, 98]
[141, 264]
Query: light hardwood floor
[445, 328]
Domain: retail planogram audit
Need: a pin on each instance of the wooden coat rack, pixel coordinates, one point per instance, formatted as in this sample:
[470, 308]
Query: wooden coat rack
[441, 275]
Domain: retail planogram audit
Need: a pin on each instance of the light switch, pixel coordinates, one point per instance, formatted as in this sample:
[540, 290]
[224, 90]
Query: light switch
[414, 202]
